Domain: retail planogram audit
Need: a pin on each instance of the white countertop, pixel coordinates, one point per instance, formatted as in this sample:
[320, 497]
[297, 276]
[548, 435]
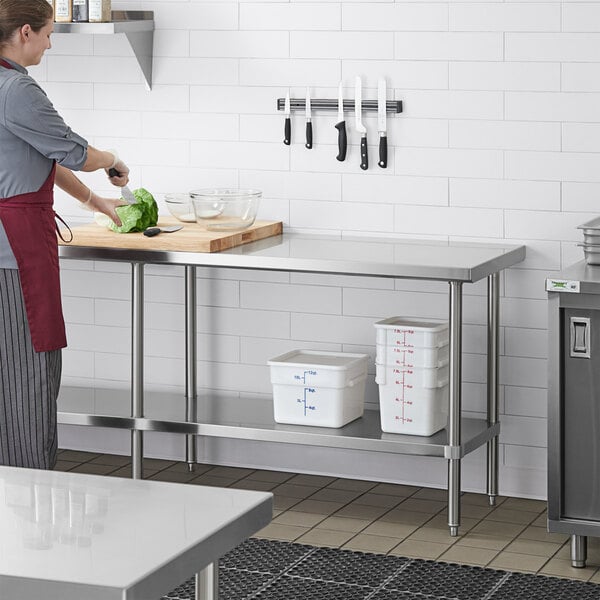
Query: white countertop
[92, 537]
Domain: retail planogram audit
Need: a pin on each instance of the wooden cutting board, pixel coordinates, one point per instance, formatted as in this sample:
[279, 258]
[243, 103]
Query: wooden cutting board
[192, 238]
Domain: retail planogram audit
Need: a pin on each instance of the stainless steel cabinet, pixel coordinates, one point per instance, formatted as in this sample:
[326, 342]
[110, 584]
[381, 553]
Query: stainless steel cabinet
[574, 406]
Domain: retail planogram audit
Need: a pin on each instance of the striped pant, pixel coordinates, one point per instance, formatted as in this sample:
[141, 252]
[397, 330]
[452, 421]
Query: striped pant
[29, 384]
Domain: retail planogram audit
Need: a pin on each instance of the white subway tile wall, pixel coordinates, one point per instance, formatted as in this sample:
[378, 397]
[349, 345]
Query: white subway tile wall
[499, 140]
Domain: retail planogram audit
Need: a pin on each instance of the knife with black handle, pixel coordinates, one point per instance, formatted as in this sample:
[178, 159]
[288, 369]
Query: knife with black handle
[287, 127]
[308, 134]
[381, 122]
[364, 154]
[309, 131]
[341, 126]
[383, 152]
[360, 128]
[342, 140]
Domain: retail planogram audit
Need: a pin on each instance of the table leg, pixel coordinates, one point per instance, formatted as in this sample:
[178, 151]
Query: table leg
[578, 551]
[137, 366]
[191, 399]
[207, 582]
[492, 383]
[454, 408]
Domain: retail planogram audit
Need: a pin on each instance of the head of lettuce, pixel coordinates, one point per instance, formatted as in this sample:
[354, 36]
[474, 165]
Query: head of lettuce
[138, 216]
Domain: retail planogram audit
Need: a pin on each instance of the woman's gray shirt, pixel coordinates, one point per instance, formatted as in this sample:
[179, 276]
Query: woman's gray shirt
[32, 136]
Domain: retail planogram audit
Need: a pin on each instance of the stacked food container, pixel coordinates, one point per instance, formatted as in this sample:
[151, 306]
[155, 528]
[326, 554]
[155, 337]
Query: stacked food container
[591, 241]
[326, 389]
[412, 373]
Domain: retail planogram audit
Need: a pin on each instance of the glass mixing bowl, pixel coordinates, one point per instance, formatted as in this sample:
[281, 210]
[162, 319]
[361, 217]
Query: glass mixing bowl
[222, 209]
[181, 207]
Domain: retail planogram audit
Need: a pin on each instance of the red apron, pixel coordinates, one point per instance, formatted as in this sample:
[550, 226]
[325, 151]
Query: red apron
[28, 220]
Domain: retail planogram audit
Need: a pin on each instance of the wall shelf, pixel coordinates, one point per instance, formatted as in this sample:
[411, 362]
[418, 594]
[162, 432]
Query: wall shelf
[138, 27]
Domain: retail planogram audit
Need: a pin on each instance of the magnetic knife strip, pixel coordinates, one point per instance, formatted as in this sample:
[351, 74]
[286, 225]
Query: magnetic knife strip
[391, 106]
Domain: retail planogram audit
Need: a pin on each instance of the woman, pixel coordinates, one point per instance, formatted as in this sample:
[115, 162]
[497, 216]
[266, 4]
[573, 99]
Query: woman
[37, 150]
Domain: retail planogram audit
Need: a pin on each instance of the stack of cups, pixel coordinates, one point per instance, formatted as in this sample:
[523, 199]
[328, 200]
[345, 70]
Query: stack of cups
[412, 373]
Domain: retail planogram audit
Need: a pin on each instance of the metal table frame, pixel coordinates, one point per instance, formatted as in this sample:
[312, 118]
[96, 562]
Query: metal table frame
[263, 255]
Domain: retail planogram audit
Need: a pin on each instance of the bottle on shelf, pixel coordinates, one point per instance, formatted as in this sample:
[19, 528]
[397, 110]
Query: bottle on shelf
[99, 11]
[80, 11]
[63, 11]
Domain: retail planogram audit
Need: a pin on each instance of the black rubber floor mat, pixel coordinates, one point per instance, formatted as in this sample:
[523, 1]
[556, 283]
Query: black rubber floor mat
[262, 569]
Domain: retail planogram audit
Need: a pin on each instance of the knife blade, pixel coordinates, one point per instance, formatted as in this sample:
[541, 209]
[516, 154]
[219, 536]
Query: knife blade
[360, 128]
[381, 122]
[126, 193]
[309, 132]
[287, 127]
[152, 231]
[341, 126]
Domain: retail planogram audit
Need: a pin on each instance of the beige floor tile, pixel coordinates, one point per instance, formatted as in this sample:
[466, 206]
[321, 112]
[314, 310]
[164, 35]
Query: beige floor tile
[300, 519]
[276, 512]
[562, 568]
[318, 506]
[277, 531]
[77, 455]
[467, 555]
[534, 547]
[94, 469]
[65, 465]
[536, 506]
[333, 495]
[231, 472]
[506, 515]
[361, 511]
[126, 472]
[595, 578]
[473, 511]
[408, 517]
[208, 479]
[344, 524]
[312, 480]
[431, 494]
[158, 464]
[325, 537]
[419, 549]
[433, 534]
[396, 530]
[383, 500]
[541, 534]
[431, 507]
[174, 476]
[112, 459]
[513, 561]
[371, 543]
[352, 484]
[274, 476]
[478, 540]
[394, 489]
[498, 529]
[295, 491]
[253, 484]
[541, 521]
[283, 502]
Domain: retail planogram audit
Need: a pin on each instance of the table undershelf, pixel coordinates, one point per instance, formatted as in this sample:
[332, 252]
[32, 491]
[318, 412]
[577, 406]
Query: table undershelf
[251, 418]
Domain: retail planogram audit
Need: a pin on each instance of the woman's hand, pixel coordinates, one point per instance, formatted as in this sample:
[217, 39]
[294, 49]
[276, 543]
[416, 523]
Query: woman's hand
[106, 206]
[118, 173]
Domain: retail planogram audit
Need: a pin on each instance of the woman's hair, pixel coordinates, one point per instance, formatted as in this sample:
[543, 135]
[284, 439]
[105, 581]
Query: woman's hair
[16, 13]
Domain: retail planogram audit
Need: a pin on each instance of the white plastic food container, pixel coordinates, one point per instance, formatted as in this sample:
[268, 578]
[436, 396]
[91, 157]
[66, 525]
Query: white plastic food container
[325, 389]
[411, 333]
[412, 357]
[415, 377]
[419, 411]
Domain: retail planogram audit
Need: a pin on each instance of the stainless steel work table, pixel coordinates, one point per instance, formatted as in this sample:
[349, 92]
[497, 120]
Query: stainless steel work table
[70, 536]
[454, 262]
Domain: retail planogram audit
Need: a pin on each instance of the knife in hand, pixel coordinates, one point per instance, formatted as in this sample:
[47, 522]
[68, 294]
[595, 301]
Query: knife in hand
[309, 132]
[126, 193]
[287, 128]
[360, 128]
[341, 126]
[381, 123]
